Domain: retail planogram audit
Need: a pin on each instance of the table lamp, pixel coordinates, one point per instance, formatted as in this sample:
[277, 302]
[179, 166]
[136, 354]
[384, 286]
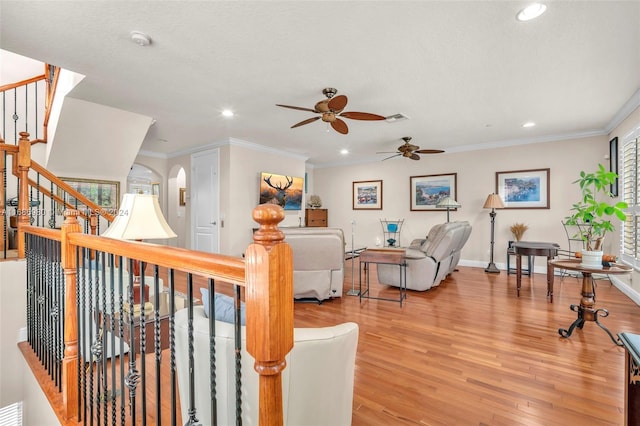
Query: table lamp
[139, 218]
[448, 203]
[493, 202]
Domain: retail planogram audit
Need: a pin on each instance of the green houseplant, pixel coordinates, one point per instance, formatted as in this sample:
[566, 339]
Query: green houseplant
[591, 216]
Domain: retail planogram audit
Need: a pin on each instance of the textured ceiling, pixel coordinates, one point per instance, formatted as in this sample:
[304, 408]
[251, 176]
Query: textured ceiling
[466, 73]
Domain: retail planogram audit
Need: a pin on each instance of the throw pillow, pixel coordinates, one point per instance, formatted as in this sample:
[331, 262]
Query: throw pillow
[223, 305]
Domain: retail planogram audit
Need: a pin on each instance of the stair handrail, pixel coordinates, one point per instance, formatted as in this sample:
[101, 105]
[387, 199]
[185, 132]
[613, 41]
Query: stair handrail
[51, 76]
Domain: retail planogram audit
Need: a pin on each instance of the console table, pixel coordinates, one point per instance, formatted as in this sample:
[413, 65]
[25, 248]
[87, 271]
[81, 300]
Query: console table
[631, 343]
[586, 309]
[534, 248]
[383, 256]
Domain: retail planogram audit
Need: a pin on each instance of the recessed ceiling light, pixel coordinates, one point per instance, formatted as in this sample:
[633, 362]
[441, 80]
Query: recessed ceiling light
[529, 124]
[344, 151]
[531, 12]
[227, 113]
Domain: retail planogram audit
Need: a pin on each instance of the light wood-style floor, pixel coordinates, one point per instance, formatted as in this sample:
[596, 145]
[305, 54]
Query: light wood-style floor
[469, 352]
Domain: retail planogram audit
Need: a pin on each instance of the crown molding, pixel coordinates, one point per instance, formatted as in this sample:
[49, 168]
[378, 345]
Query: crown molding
[631, 105]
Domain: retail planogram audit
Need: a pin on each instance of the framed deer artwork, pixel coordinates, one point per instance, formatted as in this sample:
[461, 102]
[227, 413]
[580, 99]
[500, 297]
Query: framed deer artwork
[285, 191]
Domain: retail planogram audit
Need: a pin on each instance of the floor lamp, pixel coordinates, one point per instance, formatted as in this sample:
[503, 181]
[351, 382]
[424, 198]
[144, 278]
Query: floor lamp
[493, 202]
[139, 218]
[353, 291]
[448, 203]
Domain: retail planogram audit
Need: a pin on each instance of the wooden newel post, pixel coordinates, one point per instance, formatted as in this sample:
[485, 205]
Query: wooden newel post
[269, 301]
[70, 360]
[24, 163]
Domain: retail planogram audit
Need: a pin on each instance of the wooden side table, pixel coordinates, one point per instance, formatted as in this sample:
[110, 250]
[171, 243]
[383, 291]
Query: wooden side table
[586, 309]
[534, 248]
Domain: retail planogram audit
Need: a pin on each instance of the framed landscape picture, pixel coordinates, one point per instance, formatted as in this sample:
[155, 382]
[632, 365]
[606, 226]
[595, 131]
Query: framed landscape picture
[524, 189]
[367, 195]
[427, 191]
[105, 193]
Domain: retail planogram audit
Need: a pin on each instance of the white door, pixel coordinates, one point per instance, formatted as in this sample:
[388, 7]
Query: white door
[204, 195]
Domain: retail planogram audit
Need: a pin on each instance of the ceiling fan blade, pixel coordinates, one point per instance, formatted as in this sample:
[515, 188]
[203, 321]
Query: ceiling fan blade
[298, 108]
[340, 126]
[337, 104]
[388, 152]
[429, 151]
[307, 121]
[391, 157]
[362, 116]
[415, 157]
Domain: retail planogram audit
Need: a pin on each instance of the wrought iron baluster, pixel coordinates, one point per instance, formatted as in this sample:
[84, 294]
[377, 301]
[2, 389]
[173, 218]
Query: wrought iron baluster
[238, 347]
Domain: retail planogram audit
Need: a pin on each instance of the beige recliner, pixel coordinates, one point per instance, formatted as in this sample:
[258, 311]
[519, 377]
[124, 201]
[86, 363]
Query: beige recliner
[317, 384]
[318, 261]
[429, 260]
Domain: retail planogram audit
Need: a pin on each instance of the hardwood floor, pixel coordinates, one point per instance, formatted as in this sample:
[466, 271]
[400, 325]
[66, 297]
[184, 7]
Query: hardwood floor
[469, 352]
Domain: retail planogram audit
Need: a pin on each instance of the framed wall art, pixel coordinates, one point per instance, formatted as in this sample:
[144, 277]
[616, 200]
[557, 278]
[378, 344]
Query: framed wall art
[613, 164]
[285, 191]
[367, 195]
[524, 189]
[427, 191]
[105, 193]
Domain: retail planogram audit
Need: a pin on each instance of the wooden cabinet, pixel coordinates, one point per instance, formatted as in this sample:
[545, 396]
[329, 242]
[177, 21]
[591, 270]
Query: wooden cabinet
[631, 343]
[315, 217]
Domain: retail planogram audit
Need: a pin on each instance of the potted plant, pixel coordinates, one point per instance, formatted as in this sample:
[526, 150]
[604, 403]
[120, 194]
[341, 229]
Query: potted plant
[592, 217]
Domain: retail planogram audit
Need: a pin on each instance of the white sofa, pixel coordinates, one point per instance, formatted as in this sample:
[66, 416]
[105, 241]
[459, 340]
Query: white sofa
[318, 261]
[317, 383]
[429, 260]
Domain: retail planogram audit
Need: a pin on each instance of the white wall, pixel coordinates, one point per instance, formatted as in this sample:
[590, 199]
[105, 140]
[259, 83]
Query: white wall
[17, 382]
[476, 179]
[242, 193]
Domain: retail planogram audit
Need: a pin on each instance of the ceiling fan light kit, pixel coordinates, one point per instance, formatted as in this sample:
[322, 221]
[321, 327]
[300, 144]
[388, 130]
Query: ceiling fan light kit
[331, 109]
[409, 150]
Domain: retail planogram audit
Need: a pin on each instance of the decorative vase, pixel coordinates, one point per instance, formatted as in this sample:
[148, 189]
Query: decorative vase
[591, 259]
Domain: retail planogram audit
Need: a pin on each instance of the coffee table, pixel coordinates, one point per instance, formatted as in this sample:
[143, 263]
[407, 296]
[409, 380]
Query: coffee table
[586, 309]
[383, 256]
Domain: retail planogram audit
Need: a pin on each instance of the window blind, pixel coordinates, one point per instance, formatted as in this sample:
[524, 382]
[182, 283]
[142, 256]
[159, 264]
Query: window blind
[630, 244]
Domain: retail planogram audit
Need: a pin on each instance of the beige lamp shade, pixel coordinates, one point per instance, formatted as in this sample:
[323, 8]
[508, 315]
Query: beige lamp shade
[448, 203]
[139, 218]
[493, 202]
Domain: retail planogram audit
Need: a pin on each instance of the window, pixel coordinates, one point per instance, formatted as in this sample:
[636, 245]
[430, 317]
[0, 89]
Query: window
[630, 161]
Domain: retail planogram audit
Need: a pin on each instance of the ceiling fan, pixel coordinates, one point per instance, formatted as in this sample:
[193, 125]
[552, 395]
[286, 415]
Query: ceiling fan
[331, 108]
[409, 150]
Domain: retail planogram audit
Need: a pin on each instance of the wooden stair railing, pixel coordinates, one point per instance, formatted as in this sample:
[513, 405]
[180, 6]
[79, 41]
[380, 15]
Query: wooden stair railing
[50, 76]
[266, 272]
[21, 166]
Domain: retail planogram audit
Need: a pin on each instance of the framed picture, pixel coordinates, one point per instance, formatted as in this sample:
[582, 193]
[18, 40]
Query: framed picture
[613, 164]
[105, 193]
[285, 191]
[524, 189]
[427, 191]
[182, 199]
[367, 195]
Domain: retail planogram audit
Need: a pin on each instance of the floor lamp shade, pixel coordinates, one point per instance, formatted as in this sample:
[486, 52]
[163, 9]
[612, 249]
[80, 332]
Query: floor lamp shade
[493, 202]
